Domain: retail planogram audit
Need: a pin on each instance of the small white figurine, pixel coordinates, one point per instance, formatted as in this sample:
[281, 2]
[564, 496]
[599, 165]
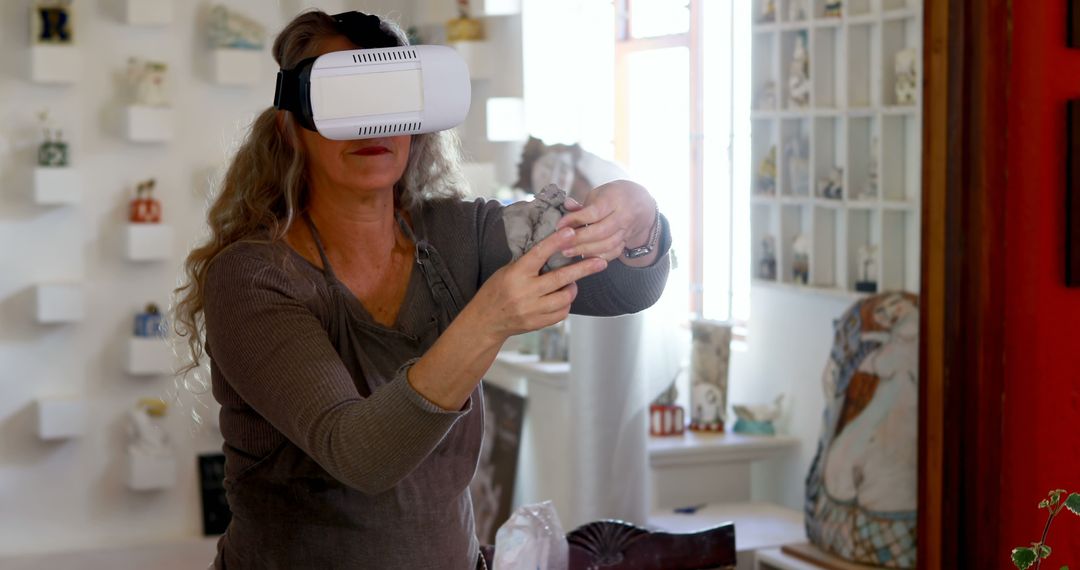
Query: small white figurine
[147, 82]
[800, 263]
[799, 74]
[866, 257]
[797, 151]
[765, 99]
[870, 191]
[232, 30]
[144, 436]
[907, 76]
[709, 358]
[767, 265]
[796, 10]
[832, 186]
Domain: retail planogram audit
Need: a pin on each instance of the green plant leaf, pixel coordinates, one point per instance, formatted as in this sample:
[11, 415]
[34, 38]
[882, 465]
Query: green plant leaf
[1043, 504]
[1073, 503]
[1064, 568]
[1023, 558]
[1044, 551]
[1055, 496]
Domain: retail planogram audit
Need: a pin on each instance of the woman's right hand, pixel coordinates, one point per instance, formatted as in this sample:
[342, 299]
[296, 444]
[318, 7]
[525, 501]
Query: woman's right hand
[518, 299]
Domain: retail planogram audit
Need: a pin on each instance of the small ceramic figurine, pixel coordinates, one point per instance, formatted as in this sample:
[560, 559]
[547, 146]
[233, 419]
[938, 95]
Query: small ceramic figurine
[767, 265]
[665, 416]
[147, 82]
[832, 186]
[799, 74]
[709, 357]
[758, 419]
[766, 175]
[797, 150]
[555, 343]
[231, 30]
[907, 76]
[527, 223]
[834, 8]
[765, 99]
[866, 257]
[50, 22]
[800, 262]
[145, 209]
[464, 28]
[768, 12]
[150, 322]
[144, 436]
[52, 151]
[796, 10]
[870, 190]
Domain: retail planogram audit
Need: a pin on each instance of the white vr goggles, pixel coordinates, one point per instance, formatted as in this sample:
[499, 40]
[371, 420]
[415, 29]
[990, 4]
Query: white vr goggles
[385, 91]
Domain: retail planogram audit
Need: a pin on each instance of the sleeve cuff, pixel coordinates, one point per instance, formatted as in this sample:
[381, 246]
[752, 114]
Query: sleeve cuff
[418, 400]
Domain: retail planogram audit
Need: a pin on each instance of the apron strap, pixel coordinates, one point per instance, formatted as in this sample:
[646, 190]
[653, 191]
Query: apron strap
[435, 272]
[327, 270]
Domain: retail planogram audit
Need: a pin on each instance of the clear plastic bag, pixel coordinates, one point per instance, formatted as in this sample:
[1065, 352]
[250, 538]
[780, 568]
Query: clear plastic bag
[532, 539]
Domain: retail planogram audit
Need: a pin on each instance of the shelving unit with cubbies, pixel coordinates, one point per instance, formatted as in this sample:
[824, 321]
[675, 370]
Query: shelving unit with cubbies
[854, 132]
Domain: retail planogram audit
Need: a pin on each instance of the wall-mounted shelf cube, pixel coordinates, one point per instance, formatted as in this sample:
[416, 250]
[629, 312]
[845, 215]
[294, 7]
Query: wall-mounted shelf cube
[148, 12]
[150, 472]
[149, 242]
[149, 356]
[60, 418]
[59, 303]
[477, 56]
[55, 64]
[57, 186]
[236, 66]
[148, 124]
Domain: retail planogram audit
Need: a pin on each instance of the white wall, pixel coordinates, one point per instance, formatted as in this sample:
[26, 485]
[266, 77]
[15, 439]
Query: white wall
[791, 334]
[71, 494]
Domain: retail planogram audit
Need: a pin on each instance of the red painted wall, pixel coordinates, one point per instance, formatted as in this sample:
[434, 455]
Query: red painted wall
[1041, 419]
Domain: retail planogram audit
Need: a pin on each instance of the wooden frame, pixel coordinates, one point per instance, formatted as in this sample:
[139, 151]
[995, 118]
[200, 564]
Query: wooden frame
[1072, 193]
[961, 373]
[1074, 23]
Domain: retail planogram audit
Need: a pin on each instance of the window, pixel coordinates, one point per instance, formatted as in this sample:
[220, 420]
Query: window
[682, 77]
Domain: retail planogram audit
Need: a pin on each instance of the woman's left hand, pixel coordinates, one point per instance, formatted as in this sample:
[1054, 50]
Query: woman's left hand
[615, 216]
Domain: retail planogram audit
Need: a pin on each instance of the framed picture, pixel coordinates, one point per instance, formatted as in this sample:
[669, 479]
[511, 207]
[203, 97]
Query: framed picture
[1072, 196]
[492, 487]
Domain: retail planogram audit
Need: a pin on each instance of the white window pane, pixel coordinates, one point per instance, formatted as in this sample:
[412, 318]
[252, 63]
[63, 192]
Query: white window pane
[650, 18]
[659, 148]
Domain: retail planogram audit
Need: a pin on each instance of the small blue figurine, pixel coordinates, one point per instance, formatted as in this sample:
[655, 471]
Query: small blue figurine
[150, 323]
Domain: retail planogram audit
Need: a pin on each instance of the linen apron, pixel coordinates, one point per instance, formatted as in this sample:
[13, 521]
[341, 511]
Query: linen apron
[288, 512]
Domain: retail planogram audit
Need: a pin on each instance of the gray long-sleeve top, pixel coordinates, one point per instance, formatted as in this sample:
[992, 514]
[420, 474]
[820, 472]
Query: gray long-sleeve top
[312, 389]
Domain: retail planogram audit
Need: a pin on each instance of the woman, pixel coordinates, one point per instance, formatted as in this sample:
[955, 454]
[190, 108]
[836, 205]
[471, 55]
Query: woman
[351, 303]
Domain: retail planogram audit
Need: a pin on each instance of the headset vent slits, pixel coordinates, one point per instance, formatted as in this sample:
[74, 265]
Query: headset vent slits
[400, 128]
[387, 56]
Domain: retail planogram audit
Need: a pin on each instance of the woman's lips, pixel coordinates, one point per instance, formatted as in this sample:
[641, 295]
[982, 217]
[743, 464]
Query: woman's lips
[371, 151]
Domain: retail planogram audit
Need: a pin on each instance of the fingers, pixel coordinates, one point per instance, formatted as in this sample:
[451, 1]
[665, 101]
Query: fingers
[572, 204]
[597, 240]
[557, 300]
[563, 276]
[535, 258]
[589, 214]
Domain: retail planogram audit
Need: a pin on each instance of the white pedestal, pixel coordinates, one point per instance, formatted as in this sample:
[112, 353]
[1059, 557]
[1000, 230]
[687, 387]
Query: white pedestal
[148, 12]
[477, 56]
[149, 356]
[57, 186]
[55, 63]
[236, 66]
[59, 303]
[60, 418]
[149, 242]
[146, 472]
[148, 124]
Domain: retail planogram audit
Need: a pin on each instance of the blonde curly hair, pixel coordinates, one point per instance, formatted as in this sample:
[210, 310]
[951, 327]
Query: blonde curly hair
[265, 188]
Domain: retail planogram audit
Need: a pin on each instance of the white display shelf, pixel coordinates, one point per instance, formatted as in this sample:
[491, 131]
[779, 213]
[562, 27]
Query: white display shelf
[58, 303]
[57, 186]
[853, 124]
[148, 242]
[148, 12]
[149, 356]
[237, 67]
[694, 448]
[775, 559]
[514, 364]
[60, 418]
[758, 525]
[55, 63]
[150, 472]
[148, 124]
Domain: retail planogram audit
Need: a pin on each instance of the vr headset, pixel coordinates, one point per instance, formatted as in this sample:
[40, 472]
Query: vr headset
[385, 89]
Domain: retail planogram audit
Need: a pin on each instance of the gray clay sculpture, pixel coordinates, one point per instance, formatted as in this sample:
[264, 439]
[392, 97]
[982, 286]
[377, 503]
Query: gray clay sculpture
[528, 223]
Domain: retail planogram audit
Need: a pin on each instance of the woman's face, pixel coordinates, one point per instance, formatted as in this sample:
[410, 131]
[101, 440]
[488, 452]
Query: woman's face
[363, 165]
